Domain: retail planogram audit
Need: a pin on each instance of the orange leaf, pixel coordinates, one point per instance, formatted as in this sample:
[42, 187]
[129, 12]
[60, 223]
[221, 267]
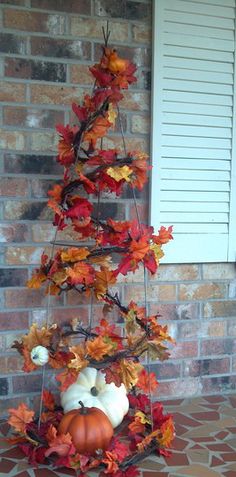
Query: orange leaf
[20, 417]
[98, 348]
[29, 366]
[167, 433]
[81, 273]
[129, 373]
[136, 426]
[103, 279]
[74, 254]
[36, 280]
[37, 337]
[48, 400]
[66, 378]
[55, 193]
[139, 248]
[147, 381]
[61, 444]
[98, 130]
[110, 461]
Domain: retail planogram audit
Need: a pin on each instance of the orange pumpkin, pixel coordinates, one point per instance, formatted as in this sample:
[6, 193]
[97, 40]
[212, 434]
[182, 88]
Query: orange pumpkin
[89, 428]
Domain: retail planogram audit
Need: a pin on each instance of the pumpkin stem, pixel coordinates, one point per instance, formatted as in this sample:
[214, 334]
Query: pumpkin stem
[94, 391]
[83, 408]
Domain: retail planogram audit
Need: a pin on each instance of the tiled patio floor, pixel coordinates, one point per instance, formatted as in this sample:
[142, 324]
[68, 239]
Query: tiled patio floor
[205, 445]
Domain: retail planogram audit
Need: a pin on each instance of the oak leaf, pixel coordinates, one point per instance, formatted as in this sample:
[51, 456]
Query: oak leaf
[103, 279]
[20, 417]
[129, 373]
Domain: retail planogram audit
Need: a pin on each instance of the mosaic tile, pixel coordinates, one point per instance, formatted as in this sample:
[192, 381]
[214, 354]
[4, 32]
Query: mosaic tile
[205, 444]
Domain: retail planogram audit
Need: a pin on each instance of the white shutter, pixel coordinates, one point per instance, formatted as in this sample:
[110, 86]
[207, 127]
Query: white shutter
[193, 177]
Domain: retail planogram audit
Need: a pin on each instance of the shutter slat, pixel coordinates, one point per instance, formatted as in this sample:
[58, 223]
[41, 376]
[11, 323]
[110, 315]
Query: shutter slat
[198, 87]
[198, 42]
[182, 185]
[193, 196]
[203, 9]
[194, 207]
[196, 131]
[186, 97]
[195, 175]
[196, 142]
[193, 19]
[210, 153]
[197, 120]
[190, 75]
[195, 217]
[199, 30]
[221, 56]
[197, 64]
[191, 164]
[199, 229]
[215, 110]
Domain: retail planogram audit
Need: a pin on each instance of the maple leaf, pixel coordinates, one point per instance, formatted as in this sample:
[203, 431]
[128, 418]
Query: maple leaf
[147, 382]
[103, 279]
[37, 337]
[110, 461]
[167, 433]
[136, 426]
[78, 361]
[139, 401]
[120, 173]
[120, 448]
[65, 146]
[98, 130]
[20, 417]
[80, 111]
[112, 374]
[29, 366]
[129, 373]
[58, 278]
[60, 444]
[48, 400]
[36, 280]
[74, 254]
[164, 235]
[55, 193]
[81, 273]
[98, 348]
[79, 208]
[66, 378]
[36, 455]
[139, 248]
[88, 185]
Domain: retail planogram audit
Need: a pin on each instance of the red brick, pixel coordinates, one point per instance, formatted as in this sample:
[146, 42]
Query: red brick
[12, 92]
[218, 271]
[14, 233]
[140, 124]
[12, 187]
[35, 70]
[92, 28]
[185, 349]
[179, 387]
[8, 404]
[154, 292]
[10, 364]
[82, 7]
[32, 118]
[63, 95]
[27, 383]
[141, 33]
[27, 298]
[166, 370]
[178, 272]
[220, 308]
[217, 346]
[60, 48]
[79, 74]
[188, 311]
[220, 384]
[133, 101]
[13, 277]
[16, 320]
[188, 329]
[206, 367]
[13, 44]
[24, 255]
[142, 212]
[12, 140]
[202, 291]
[34, 21]
[30, 210]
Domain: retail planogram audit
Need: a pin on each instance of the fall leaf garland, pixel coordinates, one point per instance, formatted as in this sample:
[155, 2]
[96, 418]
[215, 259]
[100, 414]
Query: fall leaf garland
[89, 269]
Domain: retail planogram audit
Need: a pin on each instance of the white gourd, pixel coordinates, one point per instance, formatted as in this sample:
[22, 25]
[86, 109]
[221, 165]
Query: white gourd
[39, 355]
[92, 389]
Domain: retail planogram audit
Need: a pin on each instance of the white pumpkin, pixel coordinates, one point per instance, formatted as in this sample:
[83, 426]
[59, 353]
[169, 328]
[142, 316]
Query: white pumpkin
[39, 355]
[92, 389]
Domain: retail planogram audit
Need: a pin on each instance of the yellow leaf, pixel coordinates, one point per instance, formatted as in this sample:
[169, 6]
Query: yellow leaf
[157, 251]
[20, 417]
[119, 173]
[143, 418]
[74, 254]
[112, 114]
[37, 337]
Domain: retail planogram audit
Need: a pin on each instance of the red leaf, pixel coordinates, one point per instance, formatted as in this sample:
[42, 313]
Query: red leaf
[48, 400]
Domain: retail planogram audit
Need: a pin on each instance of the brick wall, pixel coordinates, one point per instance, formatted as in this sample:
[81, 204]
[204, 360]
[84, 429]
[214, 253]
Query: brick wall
[47, 46]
